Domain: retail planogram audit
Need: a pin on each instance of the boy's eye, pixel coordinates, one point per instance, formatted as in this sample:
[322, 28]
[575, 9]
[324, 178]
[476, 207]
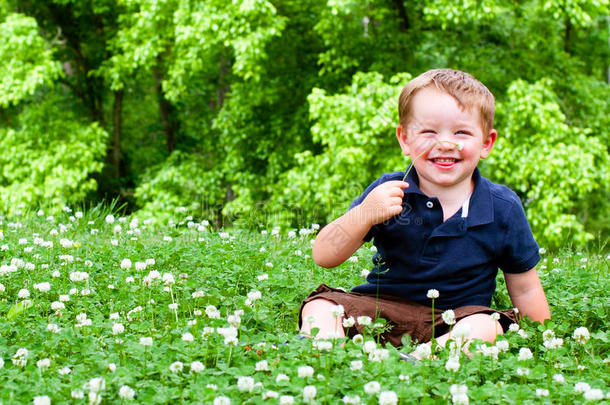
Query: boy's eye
[464, 132]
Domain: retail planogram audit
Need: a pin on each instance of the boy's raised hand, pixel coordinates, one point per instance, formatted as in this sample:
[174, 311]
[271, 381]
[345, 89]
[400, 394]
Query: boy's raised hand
[383, 202]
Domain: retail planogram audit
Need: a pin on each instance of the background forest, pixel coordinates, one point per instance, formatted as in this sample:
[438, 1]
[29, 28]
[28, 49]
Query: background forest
[261, 113]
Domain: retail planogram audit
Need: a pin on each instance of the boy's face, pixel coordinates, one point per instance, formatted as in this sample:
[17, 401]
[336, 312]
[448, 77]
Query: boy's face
[436, 127]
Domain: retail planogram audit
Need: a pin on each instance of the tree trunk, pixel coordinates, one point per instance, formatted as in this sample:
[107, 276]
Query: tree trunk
[166, 112]
[117, 124]
[403, 22]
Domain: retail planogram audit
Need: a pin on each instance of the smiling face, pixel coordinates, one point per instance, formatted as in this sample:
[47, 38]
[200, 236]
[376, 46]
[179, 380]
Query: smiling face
[436, 129]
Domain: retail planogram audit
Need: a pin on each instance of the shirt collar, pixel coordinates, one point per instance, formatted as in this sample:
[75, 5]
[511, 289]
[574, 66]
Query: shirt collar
[481, 209]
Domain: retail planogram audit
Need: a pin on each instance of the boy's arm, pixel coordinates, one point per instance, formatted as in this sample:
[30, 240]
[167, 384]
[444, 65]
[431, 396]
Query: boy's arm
[527, 295]
[338, 240]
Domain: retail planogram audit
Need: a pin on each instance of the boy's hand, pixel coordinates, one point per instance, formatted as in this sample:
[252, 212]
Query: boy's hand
[383, 202]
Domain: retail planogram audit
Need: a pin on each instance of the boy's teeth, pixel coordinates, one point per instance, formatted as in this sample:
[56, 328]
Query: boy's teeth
[444, 160]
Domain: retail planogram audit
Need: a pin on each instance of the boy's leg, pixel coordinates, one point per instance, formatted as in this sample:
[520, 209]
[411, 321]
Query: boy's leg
[482, 326]
[324, 320]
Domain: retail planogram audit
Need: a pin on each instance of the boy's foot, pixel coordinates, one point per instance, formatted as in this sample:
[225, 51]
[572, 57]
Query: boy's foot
[409, 358]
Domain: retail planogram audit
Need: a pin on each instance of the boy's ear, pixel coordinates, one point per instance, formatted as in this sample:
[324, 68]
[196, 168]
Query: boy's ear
[401, 135]
[488, 143]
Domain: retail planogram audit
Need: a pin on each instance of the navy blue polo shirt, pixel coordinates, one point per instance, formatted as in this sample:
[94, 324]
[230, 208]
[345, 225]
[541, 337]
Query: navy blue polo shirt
[460, 257]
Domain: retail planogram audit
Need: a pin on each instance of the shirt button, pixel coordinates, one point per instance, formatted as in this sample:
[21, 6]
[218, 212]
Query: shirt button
[429, 204]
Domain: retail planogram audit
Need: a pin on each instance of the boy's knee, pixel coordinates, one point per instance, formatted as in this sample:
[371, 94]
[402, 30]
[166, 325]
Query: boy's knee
[483, 326]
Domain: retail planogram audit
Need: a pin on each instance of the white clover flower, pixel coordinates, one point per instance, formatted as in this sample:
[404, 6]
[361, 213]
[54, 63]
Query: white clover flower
[372, 387]
[364, 273]
[112, 367]
[432, 294]
[53, 328]
[2, 288]
[126, 392]
[449, 317]
[337, 311]
[379, 355]
[207, 331]
[146, 341]
[502, 345]
[262, 365]
[43, 287]
[559, 379]
[188, 337]
[96, 384]
[525, 354]
[513, 327]
[222, 400]
[541, 392]
[358, 339]
[57, 306]
[286, 400]
[125, 264]
[594, 394]
[64, 371]
[581, 335]
[351, 399]
[323, 345]
[353, 259]
[198, 294]
[168, 279]
[176, 367]
[173, 306]
[523, 334]
[369, 346]
[581, 387]
[356, 365]
[462, 330]
[197, 367]
[305, 371]
[281, 377]
[553, 343]
[388, 398]
[43, 363]
[263, 277]
[234, 320]
[364, 320]
[309, 393]
[548, 334]
[452, 364]
[349, 322]
[23, 293]
[42, 400]
[77, 394]
[254, 295]
[522, 371]
[423, 351]
[459, 394]
[245, 384]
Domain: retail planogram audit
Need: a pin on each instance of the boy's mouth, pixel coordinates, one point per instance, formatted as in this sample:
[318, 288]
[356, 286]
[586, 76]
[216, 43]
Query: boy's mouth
[444, 162]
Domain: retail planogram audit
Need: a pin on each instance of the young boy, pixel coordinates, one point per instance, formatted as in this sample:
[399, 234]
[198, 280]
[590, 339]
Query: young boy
[440, 226]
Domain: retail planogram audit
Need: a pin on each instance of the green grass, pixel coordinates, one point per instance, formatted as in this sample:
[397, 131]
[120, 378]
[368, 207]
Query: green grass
[221, 270]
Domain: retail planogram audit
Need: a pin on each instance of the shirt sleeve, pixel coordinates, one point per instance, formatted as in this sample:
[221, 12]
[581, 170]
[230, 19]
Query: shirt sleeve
[520, 251]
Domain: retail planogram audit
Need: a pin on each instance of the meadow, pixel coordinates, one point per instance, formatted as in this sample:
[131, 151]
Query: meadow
[102, 309]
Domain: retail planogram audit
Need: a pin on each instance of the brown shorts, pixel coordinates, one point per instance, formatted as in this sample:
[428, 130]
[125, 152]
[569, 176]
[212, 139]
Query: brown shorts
[403, 316]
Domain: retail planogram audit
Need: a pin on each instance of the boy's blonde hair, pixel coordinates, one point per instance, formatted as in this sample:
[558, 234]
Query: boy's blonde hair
[468, 92]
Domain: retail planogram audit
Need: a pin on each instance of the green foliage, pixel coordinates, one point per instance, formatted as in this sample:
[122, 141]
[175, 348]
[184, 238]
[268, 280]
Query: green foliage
[355, 130]
[48, 156]
[183, 181]
[27, 62]
[554, 166]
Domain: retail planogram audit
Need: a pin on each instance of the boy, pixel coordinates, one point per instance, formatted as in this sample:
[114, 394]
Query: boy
[439, 226]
